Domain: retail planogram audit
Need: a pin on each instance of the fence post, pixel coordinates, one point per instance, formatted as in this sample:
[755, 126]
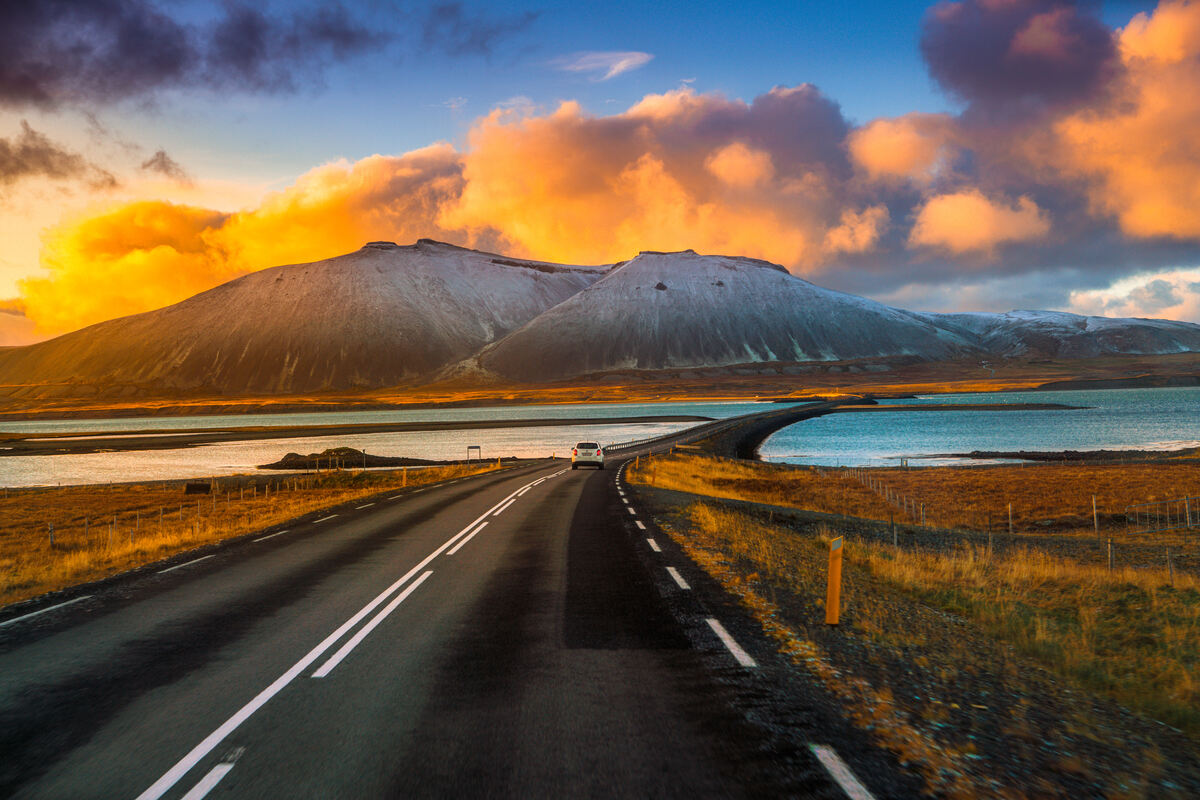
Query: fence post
[833, 593]
[1170, 567]
[51, 526]
[892, 522]
[1187, 508]
[1110, 555]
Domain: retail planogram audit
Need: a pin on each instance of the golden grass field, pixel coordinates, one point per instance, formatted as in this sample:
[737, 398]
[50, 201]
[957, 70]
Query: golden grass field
[1128, 634]
[1054, 498]
[1125, 635]
[103, 530]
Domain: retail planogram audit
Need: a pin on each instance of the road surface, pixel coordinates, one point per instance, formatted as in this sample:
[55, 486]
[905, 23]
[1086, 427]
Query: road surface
[524, 633]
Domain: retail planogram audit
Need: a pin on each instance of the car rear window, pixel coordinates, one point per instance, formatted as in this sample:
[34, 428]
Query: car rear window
[587, 446]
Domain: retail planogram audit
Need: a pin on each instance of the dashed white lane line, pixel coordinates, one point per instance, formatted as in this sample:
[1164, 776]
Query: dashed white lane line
[523, 491]
[42, 611]
[271, 535]
[631, 511]
[186, 564]
[357, 638]
[641, 525]
[466, 539]
[364, 505]
[733, 647]
[193, 757]
[323, 519]
[654, 545]
[840, 772]
[625, 500]
[500, 510]
[209, 781]
[395, 497]
[679, 581]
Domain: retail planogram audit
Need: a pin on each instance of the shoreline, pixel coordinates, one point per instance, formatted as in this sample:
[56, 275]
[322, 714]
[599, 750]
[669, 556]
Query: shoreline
[42, 444]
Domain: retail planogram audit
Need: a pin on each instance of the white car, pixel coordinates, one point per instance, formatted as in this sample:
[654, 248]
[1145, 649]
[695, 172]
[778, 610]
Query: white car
[587, 453]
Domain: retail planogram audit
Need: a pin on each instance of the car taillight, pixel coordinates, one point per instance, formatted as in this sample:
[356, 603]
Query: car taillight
[597, 452]
[574, 452]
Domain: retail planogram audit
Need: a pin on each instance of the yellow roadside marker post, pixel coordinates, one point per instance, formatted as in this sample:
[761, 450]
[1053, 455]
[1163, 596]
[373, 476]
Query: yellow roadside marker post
[833, 596]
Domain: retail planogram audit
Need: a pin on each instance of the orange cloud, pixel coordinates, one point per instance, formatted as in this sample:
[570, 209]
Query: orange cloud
[911, 146]
[740, 166]
[149, 254]
[967, 222]
[1139, 149]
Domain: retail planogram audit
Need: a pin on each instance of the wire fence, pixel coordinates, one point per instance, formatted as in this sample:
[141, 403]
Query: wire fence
[1163, 515]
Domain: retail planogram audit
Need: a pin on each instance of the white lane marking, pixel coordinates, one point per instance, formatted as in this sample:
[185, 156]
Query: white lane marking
[186, 564]
[184, 765]
[271, 535]
[679, 581]
[840, 772]
[208, 782]
[364, 505]
[654, 545]
[523, 491]
[631, 511]
[323, 519]
[733, 647]
[363, 632]
[42, 611]
[396, 497]
[466, 539]
[500, 510]
[625, 500]
[641, 525]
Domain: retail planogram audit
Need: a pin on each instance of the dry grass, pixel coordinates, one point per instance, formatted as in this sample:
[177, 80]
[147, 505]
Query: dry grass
[103, 530]
[1044, 497]
[1126, 635]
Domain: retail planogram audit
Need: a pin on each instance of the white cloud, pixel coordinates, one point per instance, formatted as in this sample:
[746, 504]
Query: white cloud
[1171, 294]
[610, 63]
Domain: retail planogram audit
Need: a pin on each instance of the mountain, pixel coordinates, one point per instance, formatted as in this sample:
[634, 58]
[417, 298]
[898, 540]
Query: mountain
[389, 315]
[665, 310]
[1056, 334]
[377, 317]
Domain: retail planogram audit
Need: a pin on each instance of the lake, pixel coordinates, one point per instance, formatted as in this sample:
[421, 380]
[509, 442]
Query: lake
[231, 458]
[1116, 419]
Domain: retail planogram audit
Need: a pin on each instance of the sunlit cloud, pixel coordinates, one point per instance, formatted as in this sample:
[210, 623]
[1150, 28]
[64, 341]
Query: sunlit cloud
[968, 222]
[1170, 293]
[605, 65]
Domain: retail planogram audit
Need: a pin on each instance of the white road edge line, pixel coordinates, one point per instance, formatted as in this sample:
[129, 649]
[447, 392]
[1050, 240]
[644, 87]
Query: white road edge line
[208, 782]
[500, 510]
[185, 764]
[679, 581]
[733, 647]
[42, 611]
[641, 525]
[364, 505]
[654, 545]
[271, 535]
[523, 491]
[357, 638]
[186, 564]
[840, 772]
[466, 539]
[323, 519]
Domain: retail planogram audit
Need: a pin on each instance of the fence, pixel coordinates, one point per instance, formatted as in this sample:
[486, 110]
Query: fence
[1163, 515]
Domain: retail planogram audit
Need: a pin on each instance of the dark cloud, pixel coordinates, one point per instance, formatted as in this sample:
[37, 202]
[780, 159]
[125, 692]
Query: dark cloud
[32, 154]
[163, 164]
[81, 51]
[458, 31]
[1017, 57]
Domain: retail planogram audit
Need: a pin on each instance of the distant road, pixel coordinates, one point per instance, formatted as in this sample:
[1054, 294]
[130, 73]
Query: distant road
[515, 634]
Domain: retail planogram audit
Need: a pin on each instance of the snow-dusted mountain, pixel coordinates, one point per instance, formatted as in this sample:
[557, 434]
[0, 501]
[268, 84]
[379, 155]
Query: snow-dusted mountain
[388, 315]
[376, 317]
[1057, 334]
[664, 310]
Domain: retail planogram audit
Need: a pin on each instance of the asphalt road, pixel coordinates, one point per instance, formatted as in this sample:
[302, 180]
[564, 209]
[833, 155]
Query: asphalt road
[397, 650]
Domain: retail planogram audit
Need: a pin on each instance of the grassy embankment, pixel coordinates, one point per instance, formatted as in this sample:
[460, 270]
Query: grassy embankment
[1126, 634]
[103, 530]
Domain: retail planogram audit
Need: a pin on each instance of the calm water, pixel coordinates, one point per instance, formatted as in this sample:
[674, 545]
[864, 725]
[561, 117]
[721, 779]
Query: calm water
[229, 458]
[1146, 419]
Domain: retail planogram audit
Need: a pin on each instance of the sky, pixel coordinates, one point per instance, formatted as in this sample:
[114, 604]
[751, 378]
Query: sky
[982, 155]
